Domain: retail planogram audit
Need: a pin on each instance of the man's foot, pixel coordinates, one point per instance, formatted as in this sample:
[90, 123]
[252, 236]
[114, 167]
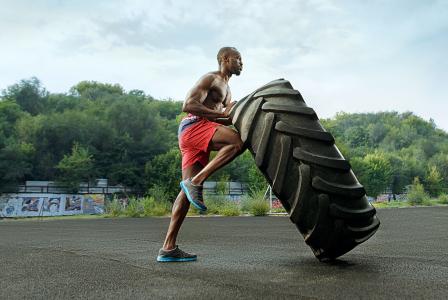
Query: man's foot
[194, 194]
[175, 255]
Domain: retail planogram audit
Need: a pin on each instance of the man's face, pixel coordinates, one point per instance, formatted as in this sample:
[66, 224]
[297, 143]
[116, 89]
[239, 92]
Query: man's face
[235, 63]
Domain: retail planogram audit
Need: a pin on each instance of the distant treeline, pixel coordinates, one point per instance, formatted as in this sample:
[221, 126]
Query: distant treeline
[99, 130]
[388, 150]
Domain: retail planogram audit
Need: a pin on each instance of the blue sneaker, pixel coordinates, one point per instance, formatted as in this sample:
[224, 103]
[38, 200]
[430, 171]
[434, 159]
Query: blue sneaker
[175, 255]
[194, 194]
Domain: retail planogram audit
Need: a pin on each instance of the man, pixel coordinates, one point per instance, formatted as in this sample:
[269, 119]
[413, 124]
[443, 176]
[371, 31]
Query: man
[208, 105]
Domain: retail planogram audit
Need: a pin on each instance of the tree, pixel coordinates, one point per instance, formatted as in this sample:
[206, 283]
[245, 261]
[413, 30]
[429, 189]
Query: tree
[126, 173]
[357, 136]
[377, 132]
[124, 131]
[54, 136]
[417, 194]
[93, 90]
[164, 170]
[400, 173]
[75, 168]
[441, 161]
[242, 169]
[374, 172]
[434, 181]
[137, 93]
[257, 181]
[15, 163]
[28, 94]
[10, 114]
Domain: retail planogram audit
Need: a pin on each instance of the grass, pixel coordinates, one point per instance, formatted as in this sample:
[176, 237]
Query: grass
[390, 204]
[114, 208]
[219, 205]
[230, 208]
[134, 208]
[441, 200]
[151, 207]
[256, 204]
[279, 210]
[214, 204]
[138, 207]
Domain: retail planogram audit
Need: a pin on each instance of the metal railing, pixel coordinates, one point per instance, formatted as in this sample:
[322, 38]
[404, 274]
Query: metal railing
[60, 189]
[229, 188]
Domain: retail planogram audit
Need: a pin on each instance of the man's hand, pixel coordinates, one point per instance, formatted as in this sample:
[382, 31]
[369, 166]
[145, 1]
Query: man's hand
[228, 109]
[224, 121]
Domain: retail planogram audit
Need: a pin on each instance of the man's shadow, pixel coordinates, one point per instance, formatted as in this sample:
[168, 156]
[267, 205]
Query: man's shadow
[313, 265]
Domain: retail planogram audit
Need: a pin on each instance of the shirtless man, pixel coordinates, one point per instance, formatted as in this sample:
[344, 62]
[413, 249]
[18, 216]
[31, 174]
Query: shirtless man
[208, 105]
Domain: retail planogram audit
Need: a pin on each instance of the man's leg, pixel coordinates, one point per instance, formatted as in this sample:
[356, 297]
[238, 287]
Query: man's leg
[228, 144]
[180, 209]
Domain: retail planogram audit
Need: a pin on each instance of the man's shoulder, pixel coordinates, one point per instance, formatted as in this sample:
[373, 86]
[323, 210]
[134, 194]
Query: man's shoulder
[208, 79]
[210, 76]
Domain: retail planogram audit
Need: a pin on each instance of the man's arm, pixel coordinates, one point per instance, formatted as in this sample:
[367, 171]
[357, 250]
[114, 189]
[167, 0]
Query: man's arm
[195, 98]
[228, 104]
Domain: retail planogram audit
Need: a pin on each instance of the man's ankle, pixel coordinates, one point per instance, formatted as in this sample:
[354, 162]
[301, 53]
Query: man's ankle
[169, 248]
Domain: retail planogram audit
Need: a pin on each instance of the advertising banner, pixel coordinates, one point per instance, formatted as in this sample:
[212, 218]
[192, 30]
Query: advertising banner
[33, 205]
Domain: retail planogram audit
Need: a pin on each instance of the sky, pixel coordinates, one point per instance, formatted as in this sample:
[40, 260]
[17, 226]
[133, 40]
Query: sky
[352, 56]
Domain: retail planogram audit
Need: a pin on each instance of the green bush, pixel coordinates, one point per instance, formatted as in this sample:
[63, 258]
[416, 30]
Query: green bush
[259, 208]
[256, 204]
[443, 199]
[427, 202]
[151, 207]
[214, 204]
[218, 205]
[222, 186]
[134, 208]
[230, 208]
[159, 193]
[114, 208]
[417, 194]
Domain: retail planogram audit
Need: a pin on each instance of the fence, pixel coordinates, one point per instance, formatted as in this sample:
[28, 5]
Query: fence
[50, 187]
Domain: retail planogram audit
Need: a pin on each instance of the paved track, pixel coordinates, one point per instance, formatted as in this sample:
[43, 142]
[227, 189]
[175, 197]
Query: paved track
[239, 257]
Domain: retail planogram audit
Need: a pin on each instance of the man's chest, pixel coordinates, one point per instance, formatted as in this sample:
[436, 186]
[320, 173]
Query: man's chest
[218, 94]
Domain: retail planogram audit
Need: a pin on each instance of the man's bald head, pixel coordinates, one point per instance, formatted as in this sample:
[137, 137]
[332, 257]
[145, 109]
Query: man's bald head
[225, 52]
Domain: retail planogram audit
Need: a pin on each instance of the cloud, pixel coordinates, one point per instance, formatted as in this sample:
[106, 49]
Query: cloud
[342, 55]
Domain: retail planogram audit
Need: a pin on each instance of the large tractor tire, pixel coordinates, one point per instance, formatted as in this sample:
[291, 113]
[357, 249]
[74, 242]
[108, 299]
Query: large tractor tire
[305, 169]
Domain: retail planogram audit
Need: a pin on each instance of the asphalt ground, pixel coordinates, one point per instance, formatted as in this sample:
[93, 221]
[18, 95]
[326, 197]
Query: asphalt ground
[238, 257]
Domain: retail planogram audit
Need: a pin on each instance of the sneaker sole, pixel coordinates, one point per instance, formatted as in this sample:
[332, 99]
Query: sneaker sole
[174, 259]
[190, 199]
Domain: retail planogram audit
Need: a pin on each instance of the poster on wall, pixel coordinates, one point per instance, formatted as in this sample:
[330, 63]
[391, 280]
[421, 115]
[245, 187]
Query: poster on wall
[51, 206]
[3, 202]
[93, 204]
[73, 203]
[29, 205]
[10, 206]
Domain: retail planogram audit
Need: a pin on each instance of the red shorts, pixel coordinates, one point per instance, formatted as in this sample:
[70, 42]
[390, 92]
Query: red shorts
[194, 140]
